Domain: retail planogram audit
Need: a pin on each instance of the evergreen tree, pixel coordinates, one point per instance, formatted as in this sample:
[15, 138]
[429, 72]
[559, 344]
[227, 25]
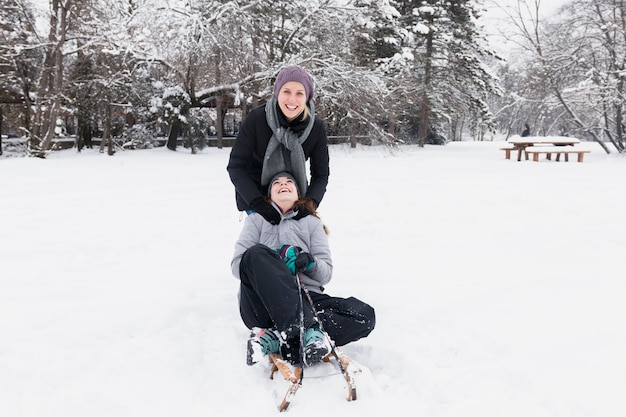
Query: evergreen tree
[20, 58]
[444, 52]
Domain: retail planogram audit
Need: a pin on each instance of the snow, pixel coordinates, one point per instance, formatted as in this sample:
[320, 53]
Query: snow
[498, 286]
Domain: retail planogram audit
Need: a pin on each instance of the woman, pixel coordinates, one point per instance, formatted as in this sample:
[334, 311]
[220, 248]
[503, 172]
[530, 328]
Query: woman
[278, 264]
[281, 136]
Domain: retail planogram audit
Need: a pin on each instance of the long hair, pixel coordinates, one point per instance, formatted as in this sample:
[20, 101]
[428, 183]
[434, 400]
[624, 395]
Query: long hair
[309, 205]
[306, 203]
[306, 112]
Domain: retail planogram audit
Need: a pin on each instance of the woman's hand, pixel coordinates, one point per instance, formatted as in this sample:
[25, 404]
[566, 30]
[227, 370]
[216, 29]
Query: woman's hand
[266, 210]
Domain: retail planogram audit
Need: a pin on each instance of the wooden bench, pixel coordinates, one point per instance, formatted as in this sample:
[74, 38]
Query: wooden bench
[558, 150]
[508, 150]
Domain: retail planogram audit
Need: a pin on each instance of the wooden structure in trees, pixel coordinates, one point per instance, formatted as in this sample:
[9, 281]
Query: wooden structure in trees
[8, 96]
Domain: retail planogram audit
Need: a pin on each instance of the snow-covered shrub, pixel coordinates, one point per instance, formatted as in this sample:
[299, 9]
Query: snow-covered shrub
[138, 137]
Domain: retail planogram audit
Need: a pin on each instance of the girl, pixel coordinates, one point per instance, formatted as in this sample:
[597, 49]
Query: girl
[277, 265]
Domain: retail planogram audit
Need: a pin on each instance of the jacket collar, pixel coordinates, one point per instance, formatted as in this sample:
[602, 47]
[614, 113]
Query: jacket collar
[288, 215]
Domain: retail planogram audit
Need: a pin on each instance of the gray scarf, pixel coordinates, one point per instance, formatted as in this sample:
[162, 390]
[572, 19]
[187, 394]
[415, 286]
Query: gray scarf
[284, 151]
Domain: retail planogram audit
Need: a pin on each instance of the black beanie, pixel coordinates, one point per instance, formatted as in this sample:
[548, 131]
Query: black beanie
[282, 174]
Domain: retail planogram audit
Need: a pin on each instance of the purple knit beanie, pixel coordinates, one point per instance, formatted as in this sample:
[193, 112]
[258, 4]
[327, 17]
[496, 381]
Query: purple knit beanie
[294, 73]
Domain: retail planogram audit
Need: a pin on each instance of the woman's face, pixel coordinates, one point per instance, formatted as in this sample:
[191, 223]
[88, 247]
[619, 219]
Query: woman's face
[284, 193]
[292, 99]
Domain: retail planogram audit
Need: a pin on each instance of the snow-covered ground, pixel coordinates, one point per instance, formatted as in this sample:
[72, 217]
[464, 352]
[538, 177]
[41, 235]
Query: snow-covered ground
[499, 286]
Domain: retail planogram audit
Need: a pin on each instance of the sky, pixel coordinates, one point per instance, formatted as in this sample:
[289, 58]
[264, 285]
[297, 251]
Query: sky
[497, 19]
[498, 9]
[498, 285]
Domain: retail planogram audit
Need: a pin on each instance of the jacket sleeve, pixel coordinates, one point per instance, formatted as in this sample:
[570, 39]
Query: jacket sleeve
[241, 160]
[322, 272]
[250, 235]
[319, 165]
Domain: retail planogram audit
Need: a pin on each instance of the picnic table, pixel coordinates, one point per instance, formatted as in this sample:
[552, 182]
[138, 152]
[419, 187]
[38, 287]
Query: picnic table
[543, 144]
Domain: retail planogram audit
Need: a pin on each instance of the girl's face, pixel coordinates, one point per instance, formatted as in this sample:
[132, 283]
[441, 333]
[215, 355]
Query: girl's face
[292, 99]
[284, 193]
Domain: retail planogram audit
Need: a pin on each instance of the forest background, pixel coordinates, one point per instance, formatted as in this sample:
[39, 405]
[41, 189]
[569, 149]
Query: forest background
[423, 71]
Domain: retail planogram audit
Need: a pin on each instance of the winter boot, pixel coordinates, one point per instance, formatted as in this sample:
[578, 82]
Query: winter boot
[261, 342]
[316, 345]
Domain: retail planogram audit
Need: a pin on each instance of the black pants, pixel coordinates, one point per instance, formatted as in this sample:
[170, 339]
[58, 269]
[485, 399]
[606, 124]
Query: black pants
[270, 298]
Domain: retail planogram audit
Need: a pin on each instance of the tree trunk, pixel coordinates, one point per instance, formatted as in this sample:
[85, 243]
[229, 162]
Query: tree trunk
[424, 122]
[83, 134]
[219, 124]
[172, 138]
[106, 131]
[1, 118]
[48, 101]
[619, 121]
[392, 125]
[453, 128]
[110, 149]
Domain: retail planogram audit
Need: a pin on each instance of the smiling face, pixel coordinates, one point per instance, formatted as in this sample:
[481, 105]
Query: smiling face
[284, 193]
[292, 99]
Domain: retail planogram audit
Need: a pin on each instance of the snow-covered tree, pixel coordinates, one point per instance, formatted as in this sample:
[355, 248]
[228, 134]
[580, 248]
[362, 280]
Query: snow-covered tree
[231, 51]
[20, 56]
[572, 69]
[378, 64]
[442, 56]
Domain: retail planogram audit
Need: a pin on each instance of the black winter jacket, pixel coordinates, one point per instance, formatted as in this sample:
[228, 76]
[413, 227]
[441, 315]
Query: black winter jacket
[246, 157]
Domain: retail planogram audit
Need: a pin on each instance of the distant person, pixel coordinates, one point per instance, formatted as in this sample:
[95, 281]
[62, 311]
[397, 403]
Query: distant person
[279, 266]
[525, 130]
[278, 136]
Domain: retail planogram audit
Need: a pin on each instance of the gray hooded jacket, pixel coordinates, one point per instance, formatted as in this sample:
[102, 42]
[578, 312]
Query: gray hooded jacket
[307, 233]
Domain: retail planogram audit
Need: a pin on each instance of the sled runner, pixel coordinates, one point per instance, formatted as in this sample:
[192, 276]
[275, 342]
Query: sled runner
[294, 374]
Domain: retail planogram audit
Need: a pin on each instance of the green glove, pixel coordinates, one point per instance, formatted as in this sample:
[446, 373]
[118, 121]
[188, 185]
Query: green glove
[295, 259]
[289, 254]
